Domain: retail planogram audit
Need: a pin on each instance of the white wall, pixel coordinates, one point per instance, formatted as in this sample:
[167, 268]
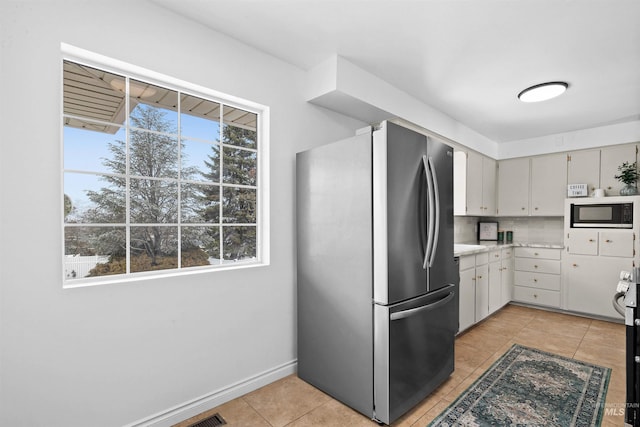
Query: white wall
[342, 86]
[115, 354]
[620, 133]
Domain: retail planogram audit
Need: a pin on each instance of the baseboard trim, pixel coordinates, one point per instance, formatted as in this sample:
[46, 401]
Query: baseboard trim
[216, 398]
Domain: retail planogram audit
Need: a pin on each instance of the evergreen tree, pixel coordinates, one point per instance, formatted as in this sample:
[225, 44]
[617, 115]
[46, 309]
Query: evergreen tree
[153, 199]
[238, 203]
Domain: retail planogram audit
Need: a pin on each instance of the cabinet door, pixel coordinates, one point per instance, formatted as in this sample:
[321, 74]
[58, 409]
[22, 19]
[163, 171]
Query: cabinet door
[617, 243]
[590, 286]
[489, 172]
[506, 281]
[513, 187]
[583, 167]
[482, 292]
[610, 159]
[583, 242]
[467, 298]
[548, 184]
[474, 184]
[495, 286]
[459, 183]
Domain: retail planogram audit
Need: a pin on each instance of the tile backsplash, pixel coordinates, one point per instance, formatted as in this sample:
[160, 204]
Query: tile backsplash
[525, 229]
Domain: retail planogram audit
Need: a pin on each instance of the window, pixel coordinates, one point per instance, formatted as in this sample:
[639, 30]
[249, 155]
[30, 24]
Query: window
[156, 179]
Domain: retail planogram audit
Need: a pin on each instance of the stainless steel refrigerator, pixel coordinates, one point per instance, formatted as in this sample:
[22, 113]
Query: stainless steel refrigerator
[377, 279]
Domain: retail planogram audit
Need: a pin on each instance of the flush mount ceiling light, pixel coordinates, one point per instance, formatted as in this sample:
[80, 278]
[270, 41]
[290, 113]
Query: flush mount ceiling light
[542, 92]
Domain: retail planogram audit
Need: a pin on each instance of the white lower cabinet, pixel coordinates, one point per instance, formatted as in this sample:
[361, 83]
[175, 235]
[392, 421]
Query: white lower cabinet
[495, 280]
[482, 292]
[474, 289]
[467, 294]
[506, 276]
[537, 278]
[591, 283]
[485, 284]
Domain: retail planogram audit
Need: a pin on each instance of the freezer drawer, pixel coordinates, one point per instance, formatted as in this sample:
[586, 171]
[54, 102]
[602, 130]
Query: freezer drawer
[413, 350]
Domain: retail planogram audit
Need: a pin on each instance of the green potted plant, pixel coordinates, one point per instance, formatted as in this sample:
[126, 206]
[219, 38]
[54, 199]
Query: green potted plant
[628, 176]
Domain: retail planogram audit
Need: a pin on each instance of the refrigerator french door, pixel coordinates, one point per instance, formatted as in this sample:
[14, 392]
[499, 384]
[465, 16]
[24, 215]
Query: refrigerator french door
[377, 282]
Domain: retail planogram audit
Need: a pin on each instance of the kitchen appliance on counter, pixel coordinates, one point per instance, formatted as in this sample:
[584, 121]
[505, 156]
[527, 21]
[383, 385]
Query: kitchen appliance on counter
[377, 279]
[629, 290]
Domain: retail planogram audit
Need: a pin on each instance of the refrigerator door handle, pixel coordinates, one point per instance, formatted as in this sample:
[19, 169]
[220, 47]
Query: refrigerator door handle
[413, 311]
[436, 226]
[430, 215]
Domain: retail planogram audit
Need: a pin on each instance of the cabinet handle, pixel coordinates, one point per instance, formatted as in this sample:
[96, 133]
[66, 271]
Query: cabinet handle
[535, 280]
[473, 278]
[535, 266]
[536, 208]
[608, 188]
[522, 208]
[497, 256]
[591, 240]
[574, 265]
[535, 295]
[479, 277]
[608, 241]
[535, 253]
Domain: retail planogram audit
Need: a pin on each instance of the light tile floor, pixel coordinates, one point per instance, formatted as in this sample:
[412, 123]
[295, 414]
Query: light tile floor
[291, 402]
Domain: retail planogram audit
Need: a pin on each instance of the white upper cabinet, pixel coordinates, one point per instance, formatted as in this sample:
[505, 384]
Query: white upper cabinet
[474, 184]
[597, 168]
[489, 176]
[475, 205]
[532, 186]
[548, 184]
[583, 167]
[610, 159]
[513, 187]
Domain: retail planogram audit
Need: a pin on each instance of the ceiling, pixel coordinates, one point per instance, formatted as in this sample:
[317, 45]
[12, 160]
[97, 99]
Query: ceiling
[466, 58]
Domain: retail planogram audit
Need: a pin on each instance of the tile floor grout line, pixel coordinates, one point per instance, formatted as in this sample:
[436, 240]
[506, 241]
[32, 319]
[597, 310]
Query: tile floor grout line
[256, 411]
[581, 340]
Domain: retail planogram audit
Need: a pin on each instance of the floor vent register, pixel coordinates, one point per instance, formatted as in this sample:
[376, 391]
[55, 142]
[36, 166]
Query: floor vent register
[213, 421]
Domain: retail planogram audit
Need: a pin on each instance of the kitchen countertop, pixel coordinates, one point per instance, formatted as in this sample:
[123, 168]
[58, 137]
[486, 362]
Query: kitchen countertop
[470, 248]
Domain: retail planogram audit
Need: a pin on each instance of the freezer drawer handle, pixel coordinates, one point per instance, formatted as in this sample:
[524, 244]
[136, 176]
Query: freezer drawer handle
[413, 311]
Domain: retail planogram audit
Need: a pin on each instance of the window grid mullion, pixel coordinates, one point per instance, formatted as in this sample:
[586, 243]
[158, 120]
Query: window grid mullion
[221, 166]
[179, 219]
[127, 123]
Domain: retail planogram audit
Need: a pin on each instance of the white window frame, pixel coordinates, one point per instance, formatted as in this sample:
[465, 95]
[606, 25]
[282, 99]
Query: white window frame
[91, 59]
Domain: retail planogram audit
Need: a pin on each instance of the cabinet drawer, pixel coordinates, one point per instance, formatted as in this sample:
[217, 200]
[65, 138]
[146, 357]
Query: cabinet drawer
[536, 296]
[538, 265]
[482, 258]
[467, 262]
[495, 256]
[545, 253]
[537, 280]
[507, 253]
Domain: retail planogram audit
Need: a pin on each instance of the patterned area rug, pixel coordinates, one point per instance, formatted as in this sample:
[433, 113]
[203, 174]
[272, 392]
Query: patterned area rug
[533, 388]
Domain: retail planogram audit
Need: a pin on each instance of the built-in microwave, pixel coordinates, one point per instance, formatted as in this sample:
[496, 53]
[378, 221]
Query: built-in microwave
[602, 215]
